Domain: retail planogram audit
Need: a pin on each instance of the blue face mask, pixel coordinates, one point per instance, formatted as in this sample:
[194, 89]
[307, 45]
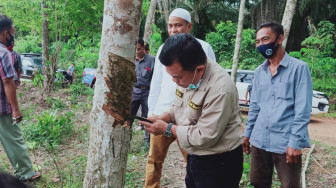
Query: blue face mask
[193, 86]
[268, 50]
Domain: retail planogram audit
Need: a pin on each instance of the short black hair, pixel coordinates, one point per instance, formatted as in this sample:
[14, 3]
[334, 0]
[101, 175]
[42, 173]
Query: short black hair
[275, 26]
[146, 46]
[185, 49]
[141, 42]
[5, 23]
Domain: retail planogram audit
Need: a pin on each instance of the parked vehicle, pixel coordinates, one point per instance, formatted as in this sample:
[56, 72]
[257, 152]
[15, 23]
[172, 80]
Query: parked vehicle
[62, 77]
[89, 76]
[320, 103]
[31, 63]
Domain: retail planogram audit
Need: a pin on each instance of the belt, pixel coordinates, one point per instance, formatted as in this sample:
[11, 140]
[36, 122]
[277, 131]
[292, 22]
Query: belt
[233, 152]
[142, 87]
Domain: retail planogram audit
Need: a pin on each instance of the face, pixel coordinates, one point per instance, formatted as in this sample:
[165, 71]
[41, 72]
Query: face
[140, 51]
[8, 33]
[182, 77]
[178, 25]
[266, 36]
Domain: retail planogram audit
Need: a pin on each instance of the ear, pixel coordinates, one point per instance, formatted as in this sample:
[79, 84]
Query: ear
[281, 38]
[200, 68]
[189, 26]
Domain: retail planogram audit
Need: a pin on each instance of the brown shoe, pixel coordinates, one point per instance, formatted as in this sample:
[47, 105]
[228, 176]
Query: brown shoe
[36, 176]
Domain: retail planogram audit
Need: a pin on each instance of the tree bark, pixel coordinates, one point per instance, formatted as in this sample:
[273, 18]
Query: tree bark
[262, 15]
[149, 21]
[45, 48]
[238, 40]
[287, 19]
[110, 133]
[166, 10]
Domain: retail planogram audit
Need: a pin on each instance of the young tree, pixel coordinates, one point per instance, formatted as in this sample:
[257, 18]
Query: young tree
[238, 40]
[45, 49]
[110, 134]
[287, 19]
[150, 20]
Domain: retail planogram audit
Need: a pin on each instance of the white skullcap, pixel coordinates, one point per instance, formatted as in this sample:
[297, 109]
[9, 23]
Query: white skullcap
[181, 13]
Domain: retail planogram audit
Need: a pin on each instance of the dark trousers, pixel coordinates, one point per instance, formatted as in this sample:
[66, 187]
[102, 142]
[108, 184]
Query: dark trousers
[144, 111]
[68, 77]
[216, 171]
[262, 167]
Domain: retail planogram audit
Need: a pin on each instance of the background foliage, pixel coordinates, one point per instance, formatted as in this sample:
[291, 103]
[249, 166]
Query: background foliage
[223, 43]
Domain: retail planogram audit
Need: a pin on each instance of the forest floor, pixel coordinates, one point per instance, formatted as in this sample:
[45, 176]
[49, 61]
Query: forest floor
[63, 165]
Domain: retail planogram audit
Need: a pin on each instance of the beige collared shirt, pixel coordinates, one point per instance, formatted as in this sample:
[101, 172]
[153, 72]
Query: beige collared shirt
[208, 117]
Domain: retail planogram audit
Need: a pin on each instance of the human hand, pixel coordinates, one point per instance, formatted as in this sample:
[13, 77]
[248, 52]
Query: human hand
[17, 116]
[293, 155]
[246, 145]
[157, 127]
[246, 101]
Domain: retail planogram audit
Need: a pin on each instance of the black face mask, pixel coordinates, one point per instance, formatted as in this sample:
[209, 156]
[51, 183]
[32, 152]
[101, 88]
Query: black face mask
[268, 50]
[10, 41]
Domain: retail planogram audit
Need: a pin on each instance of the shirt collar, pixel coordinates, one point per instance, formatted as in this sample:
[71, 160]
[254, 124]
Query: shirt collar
[284, 62]
[143, 59]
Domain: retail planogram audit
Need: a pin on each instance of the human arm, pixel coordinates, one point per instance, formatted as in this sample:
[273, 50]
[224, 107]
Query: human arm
[246, 95]
[252, 116]
[7, 73]
[155, 86]
[303, 93]
[254, 108]
[216, 113]
[10, 91]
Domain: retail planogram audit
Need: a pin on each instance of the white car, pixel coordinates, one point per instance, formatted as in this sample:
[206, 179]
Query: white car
[320, 103]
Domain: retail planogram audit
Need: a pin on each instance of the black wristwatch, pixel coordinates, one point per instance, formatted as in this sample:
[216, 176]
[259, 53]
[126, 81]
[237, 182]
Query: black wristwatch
[168, 132]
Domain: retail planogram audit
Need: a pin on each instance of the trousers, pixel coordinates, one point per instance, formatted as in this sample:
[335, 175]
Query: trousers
[159, 145]
[222, 170]
[262, 167]
[15, 147]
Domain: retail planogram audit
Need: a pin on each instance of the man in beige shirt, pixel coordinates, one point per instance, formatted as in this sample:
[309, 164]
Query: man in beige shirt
[204, 116]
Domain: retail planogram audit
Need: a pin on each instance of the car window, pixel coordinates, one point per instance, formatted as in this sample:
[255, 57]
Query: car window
[37, 60]
[248, 78]
[244, 77]
[26, 62]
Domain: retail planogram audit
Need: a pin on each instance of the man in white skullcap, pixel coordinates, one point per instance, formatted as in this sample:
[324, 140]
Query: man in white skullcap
[161, 96]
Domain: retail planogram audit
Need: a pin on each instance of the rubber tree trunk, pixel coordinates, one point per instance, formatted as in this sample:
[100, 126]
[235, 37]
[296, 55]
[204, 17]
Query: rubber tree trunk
[166, 10]
[149, 21]
[238, 40]
[45, 49]
[287, 19]
[110, 133]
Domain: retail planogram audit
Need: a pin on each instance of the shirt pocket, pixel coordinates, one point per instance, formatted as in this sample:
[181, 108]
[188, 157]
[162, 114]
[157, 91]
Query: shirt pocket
[193, 112]
[285, 91]
[146, 72]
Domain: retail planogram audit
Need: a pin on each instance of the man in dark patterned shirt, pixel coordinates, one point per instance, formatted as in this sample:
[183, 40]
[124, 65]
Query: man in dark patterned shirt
[10, 115]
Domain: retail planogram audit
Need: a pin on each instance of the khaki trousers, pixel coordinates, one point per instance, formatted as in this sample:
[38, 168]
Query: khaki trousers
[15, 147]
[159, 146]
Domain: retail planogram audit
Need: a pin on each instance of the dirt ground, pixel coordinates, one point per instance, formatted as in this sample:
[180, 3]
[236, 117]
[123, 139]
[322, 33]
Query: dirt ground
[321, 130]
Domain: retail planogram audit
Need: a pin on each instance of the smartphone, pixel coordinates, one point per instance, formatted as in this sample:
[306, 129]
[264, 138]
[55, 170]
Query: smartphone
[140, 118]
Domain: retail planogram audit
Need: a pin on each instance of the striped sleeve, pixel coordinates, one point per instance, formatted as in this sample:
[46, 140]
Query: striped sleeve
[6, 67]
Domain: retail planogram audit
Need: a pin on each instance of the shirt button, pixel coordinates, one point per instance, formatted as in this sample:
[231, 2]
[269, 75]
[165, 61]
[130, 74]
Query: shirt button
[266, 127]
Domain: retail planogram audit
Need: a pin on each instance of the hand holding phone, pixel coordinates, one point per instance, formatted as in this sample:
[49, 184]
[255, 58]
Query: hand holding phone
[140, 118]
